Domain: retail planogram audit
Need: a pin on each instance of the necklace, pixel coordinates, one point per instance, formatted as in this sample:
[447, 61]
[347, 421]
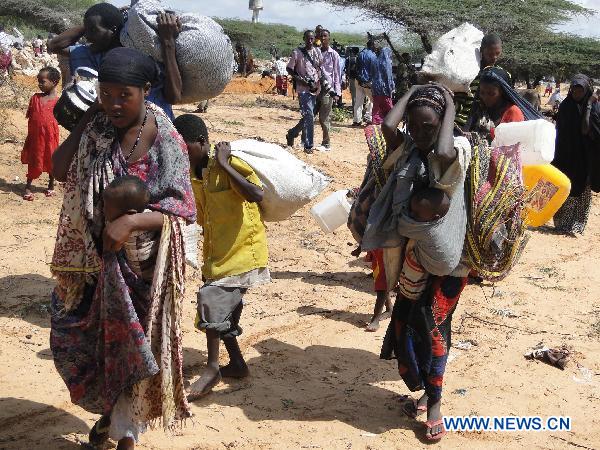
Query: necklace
[137, 141]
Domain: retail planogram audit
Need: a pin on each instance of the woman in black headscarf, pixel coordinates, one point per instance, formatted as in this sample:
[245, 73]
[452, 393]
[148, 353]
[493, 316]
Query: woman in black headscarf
[116, 337]
[499, 103]
[578, 153]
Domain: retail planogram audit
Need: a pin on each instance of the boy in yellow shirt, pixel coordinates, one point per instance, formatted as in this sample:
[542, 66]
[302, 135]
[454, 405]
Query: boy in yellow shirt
[227, 192]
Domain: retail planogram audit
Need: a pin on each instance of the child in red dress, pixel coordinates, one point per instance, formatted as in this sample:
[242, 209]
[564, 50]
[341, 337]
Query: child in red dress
[42, 134]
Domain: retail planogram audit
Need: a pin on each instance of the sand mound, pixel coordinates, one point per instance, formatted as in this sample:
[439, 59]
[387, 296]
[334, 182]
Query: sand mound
[254, 84]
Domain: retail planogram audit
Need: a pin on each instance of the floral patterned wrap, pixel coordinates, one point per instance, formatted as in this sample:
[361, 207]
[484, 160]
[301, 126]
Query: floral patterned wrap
[111, 331]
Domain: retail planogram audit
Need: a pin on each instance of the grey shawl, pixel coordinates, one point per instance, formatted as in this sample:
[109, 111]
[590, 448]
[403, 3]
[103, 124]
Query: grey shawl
[439, 244]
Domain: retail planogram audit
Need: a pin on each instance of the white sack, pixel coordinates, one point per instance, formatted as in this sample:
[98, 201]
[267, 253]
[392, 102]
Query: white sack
[455, 59]
[288, 182]
[204, 52]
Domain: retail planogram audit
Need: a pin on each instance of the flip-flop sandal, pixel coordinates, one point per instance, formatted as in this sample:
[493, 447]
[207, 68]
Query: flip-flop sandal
[412, 409]
[50, 193]
[99, 433]
[28, 197]
[429, 425]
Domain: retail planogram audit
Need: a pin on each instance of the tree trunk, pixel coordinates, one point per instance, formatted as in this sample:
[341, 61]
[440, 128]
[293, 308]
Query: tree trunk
[527, 79]
[426, 41]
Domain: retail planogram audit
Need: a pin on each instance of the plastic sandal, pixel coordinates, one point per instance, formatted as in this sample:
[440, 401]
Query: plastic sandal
[432, 423]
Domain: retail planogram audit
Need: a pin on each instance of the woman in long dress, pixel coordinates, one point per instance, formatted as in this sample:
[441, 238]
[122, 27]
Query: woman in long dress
[577, 153]
[116, 339]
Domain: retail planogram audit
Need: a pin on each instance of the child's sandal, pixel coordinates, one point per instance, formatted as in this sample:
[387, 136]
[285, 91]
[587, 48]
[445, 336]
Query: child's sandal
[28, 197]
[50, 193]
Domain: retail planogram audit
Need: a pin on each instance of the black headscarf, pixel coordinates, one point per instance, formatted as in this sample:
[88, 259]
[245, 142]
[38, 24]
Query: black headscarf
[499, 77]
[585, 82]
[578, 155]
[128, 67]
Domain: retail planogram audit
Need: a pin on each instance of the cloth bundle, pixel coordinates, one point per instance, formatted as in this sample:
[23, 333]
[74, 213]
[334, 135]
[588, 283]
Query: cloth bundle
[204, 52]
[190, 243]
[373, 181]
[140, 250]
[454, 61]
[495, 225]
[288, 182]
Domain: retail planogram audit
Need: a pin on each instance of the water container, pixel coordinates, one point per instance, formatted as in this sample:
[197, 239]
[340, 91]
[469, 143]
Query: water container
[537, 139]
[546, 188]
[332, 212]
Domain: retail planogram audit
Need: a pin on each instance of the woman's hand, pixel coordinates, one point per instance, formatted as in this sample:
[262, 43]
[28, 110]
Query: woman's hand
[117, 232]
[169, 26]
[94, 108]
[223, 150]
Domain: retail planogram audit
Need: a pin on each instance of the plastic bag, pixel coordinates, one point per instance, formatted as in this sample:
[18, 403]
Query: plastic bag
[455, 59]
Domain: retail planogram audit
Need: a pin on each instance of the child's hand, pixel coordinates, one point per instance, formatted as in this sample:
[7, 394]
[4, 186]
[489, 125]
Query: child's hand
[116, 233]
[223, 150]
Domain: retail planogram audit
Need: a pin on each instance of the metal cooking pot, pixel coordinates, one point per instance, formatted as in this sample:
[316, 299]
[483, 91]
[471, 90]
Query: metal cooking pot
[76, 98]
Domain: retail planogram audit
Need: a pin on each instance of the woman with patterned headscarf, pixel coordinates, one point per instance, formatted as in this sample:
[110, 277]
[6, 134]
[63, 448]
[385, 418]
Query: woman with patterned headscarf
[577, 153]
[426, 158]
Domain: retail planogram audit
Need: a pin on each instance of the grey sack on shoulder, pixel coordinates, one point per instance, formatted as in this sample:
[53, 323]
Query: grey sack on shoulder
[204, 51]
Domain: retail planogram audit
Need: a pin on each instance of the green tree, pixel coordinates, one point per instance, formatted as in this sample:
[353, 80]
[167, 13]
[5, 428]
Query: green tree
[260, 36]
[43, 15]
[525, 26]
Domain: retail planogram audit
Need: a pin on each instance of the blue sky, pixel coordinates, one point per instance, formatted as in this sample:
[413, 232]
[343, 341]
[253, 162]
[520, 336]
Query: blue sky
[307, 15]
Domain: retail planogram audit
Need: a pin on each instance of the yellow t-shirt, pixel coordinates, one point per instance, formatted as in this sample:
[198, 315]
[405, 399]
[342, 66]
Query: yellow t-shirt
[235, 238]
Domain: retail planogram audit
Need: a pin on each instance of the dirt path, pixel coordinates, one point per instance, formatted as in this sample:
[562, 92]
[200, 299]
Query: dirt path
[316, 378]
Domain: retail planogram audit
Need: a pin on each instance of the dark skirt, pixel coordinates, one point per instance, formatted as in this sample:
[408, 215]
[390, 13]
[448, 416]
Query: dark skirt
[419, 334]
[573, 215]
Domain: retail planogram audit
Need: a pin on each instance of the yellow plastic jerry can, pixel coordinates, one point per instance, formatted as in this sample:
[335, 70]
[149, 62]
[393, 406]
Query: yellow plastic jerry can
[546, 189]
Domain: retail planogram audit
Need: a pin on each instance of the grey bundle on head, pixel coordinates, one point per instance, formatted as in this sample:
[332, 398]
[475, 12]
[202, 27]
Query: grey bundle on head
[128, 67]
[431, 96]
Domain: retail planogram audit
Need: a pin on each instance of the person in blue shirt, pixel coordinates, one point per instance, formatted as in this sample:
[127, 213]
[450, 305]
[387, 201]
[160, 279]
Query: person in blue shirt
[364, 64]
[102, 24]
[383, 87]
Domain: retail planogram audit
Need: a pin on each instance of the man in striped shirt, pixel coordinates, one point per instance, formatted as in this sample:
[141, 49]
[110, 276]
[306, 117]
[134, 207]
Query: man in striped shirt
[466, 103]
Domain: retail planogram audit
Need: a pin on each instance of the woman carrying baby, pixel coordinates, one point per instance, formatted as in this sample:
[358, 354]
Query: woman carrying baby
[116, 336]
[419, 220]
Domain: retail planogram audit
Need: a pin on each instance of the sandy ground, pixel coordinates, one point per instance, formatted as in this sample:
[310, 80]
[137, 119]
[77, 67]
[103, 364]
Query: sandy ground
[316, 380]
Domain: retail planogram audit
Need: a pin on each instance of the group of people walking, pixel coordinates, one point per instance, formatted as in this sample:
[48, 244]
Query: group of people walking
[135, 179]
[320, 74]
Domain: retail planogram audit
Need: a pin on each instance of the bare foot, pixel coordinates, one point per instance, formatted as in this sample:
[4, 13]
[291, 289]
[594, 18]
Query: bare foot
[237, 370]
[435, 425]
[374, 324]
[204, 385]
